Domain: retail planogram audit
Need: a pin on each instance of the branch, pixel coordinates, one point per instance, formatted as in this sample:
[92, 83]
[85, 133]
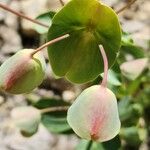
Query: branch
[22, 15]
[105, 61]
[5, 7]
[126, 6]
[53, 109]
[61, 2]
[49, 43]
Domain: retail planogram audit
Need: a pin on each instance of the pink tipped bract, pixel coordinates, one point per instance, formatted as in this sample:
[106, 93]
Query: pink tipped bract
[94, 114]
[21, 73]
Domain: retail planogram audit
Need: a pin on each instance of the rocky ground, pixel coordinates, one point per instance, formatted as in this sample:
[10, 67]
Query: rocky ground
[16, 33]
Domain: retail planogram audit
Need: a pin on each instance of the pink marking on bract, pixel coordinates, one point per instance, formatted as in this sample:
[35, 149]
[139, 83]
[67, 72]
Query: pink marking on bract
[95, 128]
[17, 73]
[97, 121]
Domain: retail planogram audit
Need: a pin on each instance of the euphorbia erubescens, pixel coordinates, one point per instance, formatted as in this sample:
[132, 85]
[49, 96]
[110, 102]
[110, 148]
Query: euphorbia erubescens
[94, 114]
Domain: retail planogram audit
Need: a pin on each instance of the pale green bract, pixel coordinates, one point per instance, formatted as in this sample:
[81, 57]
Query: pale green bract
[26, 118]
[21, 73]
[94, 114]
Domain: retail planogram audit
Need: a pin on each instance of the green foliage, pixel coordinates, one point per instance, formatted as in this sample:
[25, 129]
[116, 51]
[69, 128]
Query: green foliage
[129, 112]
[128, 47]
[55, 122]
[113, 144]
[78, 57]
[45, 18]
[89, 24]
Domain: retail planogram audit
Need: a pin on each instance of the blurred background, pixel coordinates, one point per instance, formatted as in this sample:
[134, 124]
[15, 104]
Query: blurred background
[133, 95]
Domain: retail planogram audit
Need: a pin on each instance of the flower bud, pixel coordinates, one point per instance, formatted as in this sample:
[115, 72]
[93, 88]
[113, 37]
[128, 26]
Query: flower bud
[22, 72]
[26, 118]
[94, 114]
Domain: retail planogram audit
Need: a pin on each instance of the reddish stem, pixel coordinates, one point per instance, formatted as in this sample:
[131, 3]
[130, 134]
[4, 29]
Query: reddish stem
[53, 109]
[61, 2]
[126, 6]
[23, 16]
[105, 60]
[49, 43]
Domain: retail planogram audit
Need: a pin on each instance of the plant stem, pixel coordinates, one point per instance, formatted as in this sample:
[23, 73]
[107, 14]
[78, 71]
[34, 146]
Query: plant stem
[5, 7]
[53, 109]
[105, 61]
[49, 43]
[23, 16]
[90, 145]
[126, 6]
[61, 2]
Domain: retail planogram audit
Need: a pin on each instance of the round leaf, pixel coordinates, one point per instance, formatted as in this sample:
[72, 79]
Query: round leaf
[78, 57]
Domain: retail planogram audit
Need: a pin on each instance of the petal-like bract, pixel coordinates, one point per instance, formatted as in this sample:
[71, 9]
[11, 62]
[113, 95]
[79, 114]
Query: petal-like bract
[21, 73]
[94, 114]
[26, 118]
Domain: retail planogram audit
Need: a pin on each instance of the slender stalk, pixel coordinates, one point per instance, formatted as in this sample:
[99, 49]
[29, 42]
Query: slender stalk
[49, 43]
[61, 2]
[89, 145]
[22, 15]
[126, 6]
[105, 60]
[5, 7]
[53, 109]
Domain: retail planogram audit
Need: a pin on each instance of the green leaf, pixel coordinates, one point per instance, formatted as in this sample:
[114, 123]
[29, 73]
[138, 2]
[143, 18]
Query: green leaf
[54, 121]
[78, 57]
[55, 125]
[128, 47]
[129, 112]
[113, 144]
[45, 18]
[113, 78]
[134, 50]
[131, 135]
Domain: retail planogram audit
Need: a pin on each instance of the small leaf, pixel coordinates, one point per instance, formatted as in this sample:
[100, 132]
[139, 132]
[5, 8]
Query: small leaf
[54, 121]
[113, 78]
[78, 57]
[131, 135]
[45, 18]
[128, 47]
[129, 112]
[55, 124]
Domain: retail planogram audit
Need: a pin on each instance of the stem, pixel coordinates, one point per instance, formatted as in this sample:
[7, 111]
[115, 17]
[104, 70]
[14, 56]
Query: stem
[61, 2]
[90, 145]
[126, 6]
[49, 43]
[5, 7]
[53, 109]
[23, 16]
[105, 60]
